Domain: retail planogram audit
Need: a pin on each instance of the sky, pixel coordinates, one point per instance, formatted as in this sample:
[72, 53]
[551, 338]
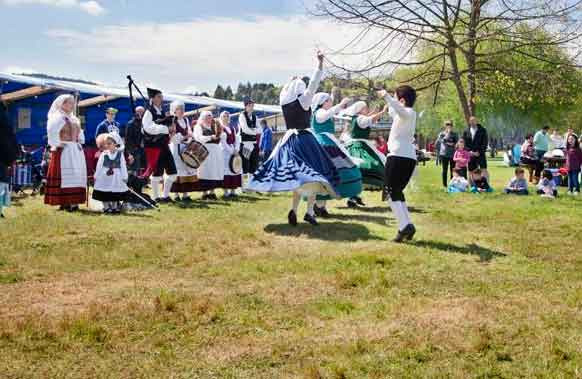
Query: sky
[177, 45]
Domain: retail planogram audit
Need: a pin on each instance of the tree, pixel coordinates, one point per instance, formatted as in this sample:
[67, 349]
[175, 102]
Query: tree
[219, 92]
[228, 95]
[461, 40]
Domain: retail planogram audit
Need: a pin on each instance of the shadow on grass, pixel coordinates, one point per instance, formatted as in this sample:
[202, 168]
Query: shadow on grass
[484, 254]
[380, 220]
[327, 231]
[141, 214]
[383, 209]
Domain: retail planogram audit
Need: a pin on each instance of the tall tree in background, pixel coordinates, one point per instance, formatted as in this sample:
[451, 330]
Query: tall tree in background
[462, 40]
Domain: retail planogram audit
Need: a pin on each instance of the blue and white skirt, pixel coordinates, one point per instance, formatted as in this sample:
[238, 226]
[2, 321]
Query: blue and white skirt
[298, 162]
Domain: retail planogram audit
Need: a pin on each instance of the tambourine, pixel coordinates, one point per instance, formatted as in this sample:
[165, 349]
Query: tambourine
[236, 164]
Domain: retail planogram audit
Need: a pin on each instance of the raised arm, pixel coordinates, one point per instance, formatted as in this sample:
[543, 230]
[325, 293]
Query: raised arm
[395, 105]
[307, 96]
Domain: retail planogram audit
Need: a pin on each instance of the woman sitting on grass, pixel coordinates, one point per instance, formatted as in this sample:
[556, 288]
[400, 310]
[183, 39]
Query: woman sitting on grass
[547, 186]
[480, 183]
[517, 185]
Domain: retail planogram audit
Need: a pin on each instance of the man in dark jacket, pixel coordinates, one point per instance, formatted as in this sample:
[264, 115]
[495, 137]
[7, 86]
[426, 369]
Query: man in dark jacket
[476, 141]
[134, 141]
[8, 148]
[447, 144]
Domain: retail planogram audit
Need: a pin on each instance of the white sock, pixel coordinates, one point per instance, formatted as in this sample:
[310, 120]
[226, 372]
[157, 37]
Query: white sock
[185, 194]
[156, 180]
[405, 212]
[170, 179]
[310, 204]
[399, 214]
[296, 200]
[321, 203]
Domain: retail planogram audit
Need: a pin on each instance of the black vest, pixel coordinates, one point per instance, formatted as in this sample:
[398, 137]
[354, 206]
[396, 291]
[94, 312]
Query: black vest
[296, 117]
[155, 140]
[252, 124]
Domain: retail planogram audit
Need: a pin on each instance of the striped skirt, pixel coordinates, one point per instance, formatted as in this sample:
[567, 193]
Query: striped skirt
[54, 194]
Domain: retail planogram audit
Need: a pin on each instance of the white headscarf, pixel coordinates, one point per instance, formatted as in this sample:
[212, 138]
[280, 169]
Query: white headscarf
[355, 108]
[202, 117]
[223, 113]
[319, 99]
[291, 91]
[175, 105]
[56, 109]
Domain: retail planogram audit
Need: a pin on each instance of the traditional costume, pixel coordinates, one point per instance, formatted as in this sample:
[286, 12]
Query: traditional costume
[250, 133]
[230, 141]
[359, 145]
[156, 145]
[401, 160]
[298, 162]
[211, 171]
[324, 126]
[67, 171]
[111, 178]
[187, 176]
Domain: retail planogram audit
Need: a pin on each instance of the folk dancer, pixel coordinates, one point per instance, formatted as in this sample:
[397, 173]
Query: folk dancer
[111, 176]
[250, 133]
[67, 172]
[298, 162]
[211, 171]
[230, 141]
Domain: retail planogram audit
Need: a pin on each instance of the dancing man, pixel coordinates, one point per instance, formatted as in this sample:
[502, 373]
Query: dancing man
[401, 157]
[159, 158]
[298, 162]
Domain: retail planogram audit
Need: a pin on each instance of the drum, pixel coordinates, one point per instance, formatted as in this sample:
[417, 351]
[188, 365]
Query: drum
[236, 164]
[194, 154]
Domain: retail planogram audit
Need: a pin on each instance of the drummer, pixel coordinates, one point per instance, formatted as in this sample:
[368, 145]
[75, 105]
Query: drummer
[211, 171]
[180, 137]
[230, 141]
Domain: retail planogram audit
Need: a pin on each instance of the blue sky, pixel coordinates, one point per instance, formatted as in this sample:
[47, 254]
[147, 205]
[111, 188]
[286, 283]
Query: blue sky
[175, 44]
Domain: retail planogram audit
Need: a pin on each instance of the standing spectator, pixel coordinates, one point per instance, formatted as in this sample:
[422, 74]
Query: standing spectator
[109, 125]
[437, 148]
[448, 140]
[574, 164]
[8, 153]
[569, 132]
[381, 145]
[556, 140]
[266, 141]
[134, 142]
[476, 141]
[542, 142]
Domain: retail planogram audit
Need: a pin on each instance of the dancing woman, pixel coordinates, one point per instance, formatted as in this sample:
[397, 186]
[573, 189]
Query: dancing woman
[67, 172]
[186, 181]
[230, 141]
[401, 157]
[362, 148]
[298, 162]
[324, 126]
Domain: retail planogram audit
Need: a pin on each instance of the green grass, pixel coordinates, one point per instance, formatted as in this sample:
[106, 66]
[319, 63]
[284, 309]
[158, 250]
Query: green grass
[491, 288]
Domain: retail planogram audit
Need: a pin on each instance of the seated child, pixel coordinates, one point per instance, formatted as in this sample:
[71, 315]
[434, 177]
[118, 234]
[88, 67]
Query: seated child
[547, 186]
[518, 184]
[458, 183]
[111, 176]
[480, 183]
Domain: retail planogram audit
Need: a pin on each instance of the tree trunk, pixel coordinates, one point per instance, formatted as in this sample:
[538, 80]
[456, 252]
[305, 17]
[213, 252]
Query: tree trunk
[452, 51]
[470, 56]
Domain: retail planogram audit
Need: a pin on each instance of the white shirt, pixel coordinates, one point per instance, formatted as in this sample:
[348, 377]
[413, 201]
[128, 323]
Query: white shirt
[150, 127]
[323, 115]
[199, 134]
[365, 122]
[307, 97]
[111, 183]
[473, 131]
[401, 139]
[54, 126]
[244, 127]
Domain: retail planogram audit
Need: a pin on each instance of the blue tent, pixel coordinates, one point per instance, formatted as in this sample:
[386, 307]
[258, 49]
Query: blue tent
[29, 99]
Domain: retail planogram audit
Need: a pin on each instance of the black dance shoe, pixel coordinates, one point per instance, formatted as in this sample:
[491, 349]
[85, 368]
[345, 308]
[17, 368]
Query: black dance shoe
[359, 201]
[321, 212]
[352, 204]
[212, 196]
[292, 218]
[187, 199]
[405, 234]
[310, 219]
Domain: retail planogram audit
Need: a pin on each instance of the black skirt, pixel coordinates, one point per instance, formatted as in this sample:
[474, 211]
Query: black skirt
[109, 196]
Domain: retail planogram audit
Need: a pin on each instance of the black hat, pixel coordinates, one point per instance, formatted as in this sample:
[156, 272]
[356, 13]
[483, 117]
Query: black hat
[247, 100]
[152, 92]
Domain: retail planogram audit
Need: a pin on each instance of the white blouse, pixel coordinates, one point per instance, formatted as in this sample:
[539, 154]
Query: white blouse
[401, 139]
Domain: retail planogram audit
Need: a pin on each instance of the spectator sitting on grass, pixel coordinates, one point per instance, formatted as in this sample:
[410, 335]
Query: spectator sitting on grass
[517, 185]
[458, 183]
[547, 186]
[480, 183]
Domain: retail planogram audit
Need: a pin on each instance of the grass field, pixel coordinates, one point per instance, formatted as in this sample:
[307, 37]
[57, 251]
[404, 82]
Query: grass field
[492, 288]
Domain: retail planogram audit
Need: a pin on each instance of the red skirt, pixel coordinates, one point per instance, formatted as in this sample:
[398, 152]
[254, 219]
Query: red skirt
[232, 182]
[186, 184]
[54, 194]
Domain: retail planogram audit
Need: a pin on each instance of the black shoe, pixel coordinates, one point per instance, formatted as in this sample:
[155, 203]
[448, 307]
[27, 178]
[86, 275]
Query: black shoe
[187, 199]
[62, 208]
[321, 212]
[165, 200]
[359, 201]
[292, 218]
[212, 196]
[72, 209]
[159, 200]
[352, 204]
[310, 219]
[405, 234]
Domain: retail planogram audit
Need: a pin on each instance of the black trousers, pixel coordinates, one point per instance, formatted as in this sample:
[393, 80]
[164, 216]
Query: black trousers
[251, 164]
[398, 170]
[448, 166]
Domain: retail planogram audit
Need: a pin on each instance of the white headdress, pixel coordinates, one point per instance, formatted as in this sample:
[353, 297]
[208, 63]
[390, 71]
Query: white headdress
[355, 108]
[319, 99]
[56, 109]
[175, 105]
[291, 91]
[203, 116]
[222, 114]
